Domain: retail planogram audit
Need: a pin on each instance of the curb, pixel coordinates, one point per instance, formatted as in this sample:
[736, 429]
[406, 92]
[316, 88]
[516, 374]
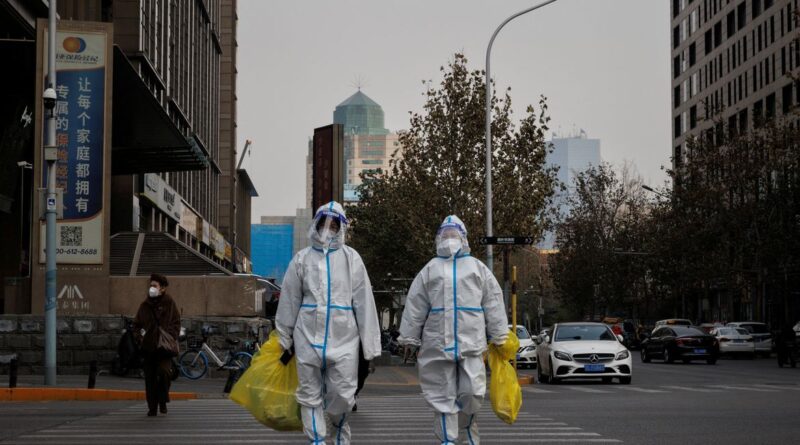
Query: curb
[81, 394]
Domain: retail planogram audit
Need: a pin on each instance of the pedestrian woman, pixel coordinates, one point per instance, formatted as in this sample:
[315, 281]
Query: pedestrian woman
[157, 325]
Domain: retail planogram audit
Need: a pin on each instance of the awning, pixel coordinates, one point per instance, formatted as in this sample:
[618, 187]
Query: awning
[247, 183]
[144, 138]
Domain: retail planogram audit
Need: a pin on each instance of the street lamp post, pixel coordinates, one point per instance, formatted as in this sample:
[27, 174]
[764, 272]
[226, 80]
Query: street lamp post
[489, 229]
[50, 236]
[23, 165]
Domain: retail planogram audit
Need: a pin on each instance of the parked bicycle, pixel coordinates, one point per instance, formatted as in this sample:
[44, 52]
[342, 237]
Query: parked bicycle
[193, 363]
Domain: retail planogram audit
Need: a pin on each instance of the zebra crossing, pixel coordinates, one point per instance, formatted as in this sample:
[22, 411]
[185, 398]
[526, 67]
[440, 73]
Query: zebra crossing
[384, 420]
[660, 389]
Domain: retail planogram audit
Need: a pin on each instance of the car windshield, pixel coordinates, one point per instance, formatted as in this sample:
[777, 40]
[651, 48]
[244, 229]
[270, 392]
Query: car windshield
[684, 331]
[584, 332]
[756, 328]
[728, 331]
[522, 333]
[741, 331]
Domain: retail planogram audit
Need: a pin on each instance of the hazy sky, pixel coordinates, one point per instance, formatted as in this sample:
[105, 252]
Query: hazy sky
[603, 64]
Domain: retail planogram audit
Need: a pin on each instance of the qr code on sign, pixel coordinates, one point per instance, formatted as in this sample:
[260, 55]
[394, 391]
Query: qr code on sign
[71, 236]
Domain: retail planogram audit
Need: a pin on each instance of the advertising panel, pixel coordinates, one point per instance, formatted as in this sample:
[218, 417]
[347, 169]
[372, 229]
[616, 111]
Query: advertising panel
[327, 165]
[82, 91]
[163, 196]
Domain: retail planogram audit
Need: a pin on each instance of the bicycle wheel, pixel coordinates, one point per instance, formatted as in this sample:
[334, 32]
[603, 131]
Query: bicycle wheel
[193, 364]
[242, 359]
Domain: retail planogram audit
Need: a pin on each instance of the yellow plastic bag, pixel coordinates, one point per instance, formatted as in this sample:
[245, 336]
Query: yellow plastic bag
[504, 391]
[267, 389]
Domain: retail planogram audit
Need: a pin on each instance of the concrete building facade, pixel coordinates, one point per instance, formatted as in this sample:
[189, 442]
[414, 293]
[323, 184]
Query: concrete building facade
[731, 61]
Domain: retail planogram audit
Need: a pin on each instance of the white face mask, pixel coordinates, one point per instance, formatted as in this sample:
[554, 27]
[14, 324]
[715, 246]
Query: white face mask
[153, 292]
[326, 236]
[448, 247]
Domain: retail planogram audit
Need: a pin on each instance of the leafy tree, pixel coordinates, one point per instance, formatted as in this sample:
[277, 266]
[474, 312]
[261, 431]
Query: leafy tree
[441, 171]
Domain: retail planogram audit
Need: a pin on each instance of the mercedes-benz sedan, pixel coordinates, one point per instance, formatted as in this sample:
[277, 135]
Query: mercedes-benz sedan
[583, 350]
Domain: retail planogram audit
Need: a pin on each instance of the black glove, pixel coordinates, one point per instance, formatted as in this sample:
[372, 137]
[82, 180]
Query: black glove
[287, 355]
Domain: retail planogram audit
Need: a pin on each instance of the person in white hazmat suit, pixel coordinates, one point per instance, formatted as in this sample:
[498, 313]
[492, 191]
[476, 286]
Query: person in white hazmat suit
[326, 308]
[453, 307]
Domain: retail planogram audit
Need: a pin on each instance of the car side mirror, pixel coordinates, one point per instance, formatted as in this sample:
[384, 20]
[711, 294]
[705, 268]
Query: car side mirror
[547, 339]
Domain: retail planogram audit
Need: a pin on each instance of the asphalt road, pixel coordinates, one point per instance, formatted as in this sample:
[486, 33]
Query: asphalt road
[732, 402]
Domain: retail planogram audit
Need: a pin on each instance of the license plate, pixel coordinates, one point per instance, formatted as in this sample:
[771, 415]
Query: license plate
[517, 357]
[699, 351]
[594, 368]
[738, 341]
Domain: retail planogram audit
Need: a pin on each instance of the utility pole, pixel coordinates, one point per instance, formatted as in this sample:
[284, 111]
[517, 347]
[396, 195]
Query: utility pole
[51, 156]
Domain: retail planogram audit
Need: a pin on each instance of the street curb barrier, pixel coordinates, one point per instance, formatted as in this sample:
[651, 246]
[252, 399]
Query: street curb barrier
[525, 379]
[80, 394]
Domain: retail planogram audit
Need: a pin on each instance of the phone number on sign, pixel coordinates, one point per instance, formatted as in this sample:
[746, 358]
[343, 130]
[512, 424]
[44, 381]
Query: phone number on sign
[76, 251]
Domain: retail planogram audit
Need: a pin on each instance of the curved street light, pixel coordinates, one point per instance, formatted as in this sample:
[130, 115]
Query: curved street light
[489, 230]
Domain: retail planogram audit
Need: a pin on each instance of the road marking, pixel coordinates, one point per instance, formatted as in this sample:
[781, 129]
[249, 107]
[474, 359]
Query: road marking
[589, 390]
[537, 390]
[224, 422]
[638, 389]
[688, 388]
[781, 387]
[743, 388]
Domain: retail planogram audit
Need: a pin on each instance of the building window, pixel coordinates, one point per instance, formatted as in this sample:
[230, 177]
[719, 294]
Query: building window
[693, 117]
[756, 8]
[768, 3]
[677, 125]
[758, 113]
[676, 97]
[731, 24]
[675, 8]
[717, 34]
[678, 156]
[676, 37]
[741, 15]
[676, 66]
[786, 96]
[771, 106]
[692, 55]
[709, 42]
[743, 120]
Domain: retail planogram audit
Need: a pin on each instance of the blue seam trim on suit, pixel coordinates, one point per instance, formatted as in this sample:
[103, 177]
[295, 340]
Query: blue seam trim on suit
[327, 321]
[437, 309]
[322, 251]
[308, 305]
[469, 434]
[316, 346]
[444, 430]
[455, 306]
[344, 308]
[469, 308]
[339, 428]
[457, 256]
[314, 427]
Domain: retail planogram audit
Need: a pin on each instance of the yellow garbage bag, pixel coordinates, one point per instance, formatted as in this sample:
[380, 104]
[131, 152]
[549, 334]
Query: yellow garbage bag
[267, 388]
[504, 391]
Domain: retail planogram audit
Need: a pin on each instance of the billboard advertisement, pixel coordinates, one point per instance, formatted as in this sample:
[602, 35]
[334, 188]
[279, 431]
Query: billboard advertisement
[327, 165]
[82, 90]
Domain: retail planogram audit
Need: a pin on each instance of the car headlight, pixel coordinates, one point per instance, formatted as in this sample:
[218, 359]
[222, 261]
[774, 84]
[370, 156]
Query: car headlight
[530, 348]
[622, 355]
[562, 356]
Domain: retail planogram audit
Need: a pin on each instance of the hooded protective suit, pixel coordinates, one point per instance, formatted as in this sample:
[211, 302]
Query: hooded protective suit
[453, 307]
[326, 308]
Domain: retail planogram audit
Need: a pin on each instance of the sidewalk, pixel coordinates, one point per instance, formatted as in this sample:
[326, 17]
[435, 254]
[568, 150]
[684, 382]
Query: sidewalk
[111, 387]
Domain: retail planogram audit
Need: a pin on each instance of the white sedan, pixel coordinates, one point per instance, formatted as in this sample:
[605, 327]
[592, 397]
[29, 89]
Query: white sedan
[735, 341]
[582, 350]
[526, 354]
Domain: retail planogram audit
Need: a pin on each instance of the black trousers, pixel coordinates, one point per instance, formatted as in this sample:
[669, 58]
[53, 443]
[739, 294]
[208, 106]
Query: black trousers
[157, 380]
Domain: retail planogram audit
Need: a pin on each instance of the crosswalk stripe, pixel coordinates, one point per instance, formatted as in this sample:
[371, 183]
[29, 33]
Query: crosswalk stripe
[687, 388]
[639, 389]
[223, 422]
[743, 388]
[537, 390]
[781, 387]
[590, 390]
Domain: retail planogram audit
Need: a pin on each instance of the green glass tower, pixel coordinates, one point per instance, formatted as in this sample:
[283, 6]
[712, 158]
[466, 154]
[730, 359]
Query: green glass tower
[360, 115]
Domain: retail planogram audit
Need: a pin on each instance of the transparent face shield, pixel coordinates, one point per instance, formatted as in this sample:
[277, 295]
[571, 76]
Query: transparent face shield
[450, 240]
[328, 229]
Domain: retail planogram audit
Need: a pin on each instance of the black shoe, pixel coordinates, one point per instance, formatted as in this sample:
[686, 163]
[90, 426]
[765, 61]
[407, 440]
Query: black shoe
[151, 413]
[355, 407]
[163, 408]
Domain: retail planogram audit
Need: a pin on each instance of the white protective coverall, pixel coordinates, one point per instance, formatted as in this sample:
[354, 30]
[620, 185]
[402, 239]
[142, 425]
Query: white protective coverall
[453, 306]
[326, 308]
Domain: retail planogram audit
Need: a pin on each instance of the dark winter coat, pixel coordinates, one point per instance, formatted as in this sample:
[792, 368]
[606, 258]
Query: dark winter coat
[154, 312]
